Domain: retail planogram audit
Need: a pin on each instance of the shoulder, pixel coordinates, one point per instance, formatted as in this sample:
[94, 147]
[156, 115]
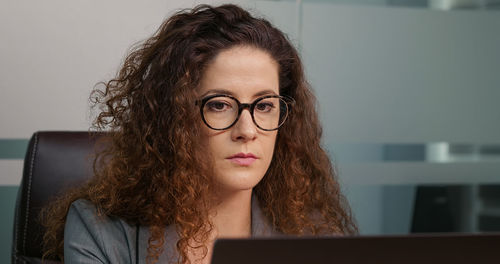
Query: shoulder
[84, 212]
[83, 209]
[91, 237]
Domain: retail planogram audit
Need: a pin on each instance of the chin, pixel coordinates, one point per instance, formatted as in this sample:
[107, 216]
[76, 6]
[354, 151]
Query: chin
[239, 181]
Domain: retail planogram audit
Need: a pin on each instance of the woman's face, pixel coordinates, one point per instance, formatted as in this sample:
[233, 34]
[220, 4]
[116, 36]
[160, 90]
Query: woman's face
[243, 152]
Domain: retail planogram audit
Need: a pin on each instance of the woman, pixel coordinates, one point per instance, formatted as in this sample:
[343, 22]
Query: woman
[214, 134]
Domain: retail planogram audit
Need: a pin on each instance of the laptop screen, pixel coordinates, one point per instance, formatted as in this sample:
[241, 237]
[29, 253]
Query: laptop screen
[450, 248]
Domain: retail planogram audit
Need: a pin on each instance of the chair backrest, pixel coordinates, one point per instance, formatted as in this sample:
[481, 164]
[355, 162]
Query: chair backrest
[54, 162]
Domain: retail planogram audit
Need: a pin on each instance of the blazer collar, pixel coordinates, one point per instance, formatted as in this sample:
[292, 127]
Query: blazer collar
[261, 227]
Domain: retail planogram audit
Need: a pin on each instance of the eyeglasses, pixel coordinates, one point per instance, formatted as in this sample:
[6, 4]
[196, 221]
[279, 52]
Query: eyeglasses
[220, 111]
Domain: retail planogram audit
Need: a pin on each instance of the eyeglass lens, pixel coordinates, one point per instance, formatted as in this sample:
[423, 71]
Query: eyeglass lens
[221, 112]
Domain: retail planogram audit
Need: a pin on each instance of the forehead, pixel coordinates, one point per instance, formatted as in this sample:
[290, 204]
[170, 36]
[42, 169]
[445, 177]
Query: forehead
[242, 71]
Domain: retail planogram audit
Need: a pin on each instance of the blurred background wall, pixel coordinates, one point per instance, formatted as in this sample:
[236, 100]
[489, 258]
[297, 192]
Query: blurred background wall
[408, 91]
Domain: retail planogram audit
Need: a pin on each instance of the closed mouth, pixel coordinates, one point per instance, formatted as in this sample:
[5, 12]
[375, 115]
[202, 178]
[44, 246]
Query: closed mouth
[242, 159]
[242, 155]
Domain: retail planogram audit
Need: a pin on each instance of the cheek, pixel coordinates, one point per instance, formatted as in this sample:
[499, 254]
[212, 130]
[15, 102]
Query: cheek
[268, 145]
[217, 141]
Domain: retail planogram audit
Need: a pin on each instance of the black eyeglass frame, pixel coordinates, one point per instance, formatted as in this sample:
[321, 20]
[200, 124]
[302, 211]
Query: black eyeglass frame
[242, 106]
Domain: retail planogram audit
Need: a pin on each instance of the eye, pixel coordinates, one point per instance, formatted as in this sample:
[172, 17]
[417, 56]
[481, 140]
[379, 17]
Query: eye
[265, 106]
[218, 106]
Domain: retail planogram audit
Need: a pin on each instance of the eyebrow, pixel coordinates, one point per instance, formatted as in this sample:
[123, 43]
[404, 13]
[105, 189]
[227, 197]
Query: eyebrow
[227, 92]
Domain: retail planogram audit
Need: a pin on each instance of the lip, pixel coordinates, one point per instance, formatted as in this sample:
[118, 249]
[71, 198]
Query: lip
[242, 159]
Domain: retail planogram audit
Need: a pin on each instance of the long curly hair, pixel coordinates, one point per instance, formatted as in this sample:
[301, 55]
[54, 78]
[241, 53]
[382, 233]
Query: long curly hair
[154, 171]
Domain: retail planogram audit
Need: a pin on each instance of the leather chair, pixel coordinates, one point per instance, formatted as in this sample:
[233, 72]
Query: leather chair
[54, 162]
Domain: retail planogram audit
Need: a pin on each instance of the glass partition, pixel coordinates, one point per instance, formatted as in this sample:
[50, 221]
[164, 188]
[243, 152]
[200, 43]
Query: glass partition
[409, 100]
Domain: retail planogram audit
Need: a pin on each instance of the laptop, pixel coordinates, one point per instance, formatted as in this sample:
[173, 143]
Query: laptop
[482, 248]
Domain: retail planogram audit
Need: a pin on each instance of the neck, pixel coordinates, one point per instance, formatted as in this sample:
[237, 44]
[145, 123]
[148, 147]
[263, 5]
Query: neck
[231, 215]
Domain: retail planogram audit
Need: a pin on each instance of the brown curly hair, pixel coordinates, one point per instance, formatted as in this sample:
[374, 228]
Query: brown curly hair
[155, 173]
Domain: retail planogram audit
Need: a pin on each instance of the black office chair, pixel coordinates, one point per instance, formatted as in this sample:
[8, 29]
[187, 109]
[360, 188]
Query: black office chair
[54, 162]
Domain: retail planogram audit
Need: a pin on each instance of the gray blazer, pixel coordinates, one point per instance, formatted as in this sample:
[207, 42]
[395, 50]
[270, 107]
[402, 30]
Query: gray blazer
[92, 239]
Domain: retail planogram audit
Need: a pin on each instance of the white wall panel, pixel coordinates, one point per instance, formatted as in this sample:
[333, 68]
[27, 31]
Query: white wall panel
[53, 52]
[11, 172]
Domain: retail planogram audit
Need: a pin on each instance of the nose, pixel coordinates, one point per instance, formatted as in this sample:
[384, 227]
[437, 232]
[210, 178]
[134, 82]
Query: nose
[244, 130]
